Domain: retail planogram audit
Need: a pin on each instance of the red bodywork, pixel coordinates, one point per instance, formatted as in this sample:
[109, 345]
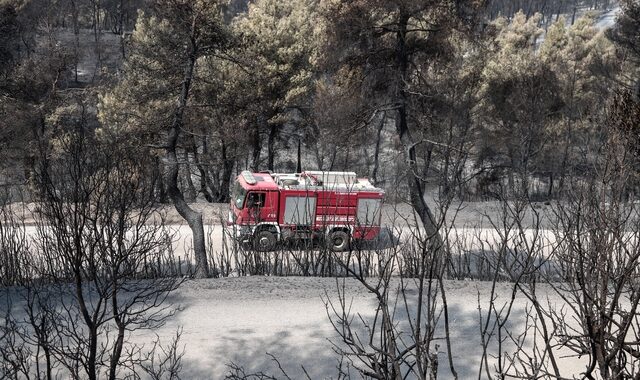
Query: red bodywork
[330, 207]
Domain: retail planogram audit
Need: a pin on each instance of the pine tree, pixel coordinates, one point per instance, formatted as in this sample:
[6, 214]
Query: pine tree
[279, 45]
[519, 101]
[392, 46]
[583, 60]
[152, 99]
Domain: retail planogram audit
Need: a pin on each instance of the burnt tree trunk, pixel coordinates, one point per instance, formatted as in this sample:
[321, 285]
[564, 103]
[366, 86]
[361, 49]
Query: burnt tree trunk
[121, 29]
[271, 146]
[227, 172]
[76, 37]
[158, 185]
[414, 179]
[118, 345]
[299, 158]
[205, 182]
[192, 217]
[191, 192]
[257, 147]
[376, 152]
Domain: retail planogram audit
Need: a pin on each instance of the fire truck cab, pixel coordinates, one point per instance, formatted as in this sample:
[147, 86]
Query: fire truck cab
[335, 207]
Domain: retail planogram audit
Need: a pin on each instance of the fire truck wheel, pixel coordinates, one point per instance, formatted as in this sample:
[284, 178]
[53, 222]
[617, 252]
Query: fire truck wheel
[264, 241]
[338, 241]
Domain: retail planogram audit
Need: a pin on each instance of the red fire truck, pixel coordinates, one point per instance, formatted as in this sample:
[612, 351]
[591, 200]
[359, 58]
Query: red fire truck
[335, 207]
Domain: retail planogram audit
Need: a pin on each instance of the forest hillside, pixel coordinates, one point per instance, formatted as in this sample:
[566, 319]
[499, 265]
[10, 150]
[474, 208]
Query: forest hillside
[390, 189]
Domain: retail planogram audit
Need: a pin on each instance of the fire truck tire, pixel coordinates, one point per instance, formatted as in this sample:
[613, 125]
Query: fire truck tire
[338, 241]
[264, 241]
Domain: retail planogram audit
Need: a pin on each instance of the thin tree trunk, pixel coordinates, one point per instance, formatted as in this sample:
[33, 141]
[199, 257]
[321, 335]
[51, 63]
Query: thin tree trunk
[88, 320]
[92, 372]
[119, 342]
[205, 182]
[257, 147]
[271, 150]
[428, 154]
[97, 31]
[345, 166]
[227, 172]
[511, 177]
[317, 147]
[560, 6]
[376, 152]
[334, 153]
[121, 27]
[192, 217]
[414, 180]
[299, 158]
[76, 37]
[191, 193]
[159, 185]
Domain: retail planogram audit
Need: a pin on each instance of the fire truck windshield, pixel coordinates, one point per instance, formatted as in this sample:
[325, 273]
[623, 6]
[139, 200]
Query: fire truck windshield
[238, 194]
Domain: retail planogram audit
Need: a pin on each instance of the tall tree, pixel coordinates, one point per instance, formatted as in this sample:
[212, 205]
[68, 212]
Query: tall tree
[221, 128]
[625, 36]
[583, 61]
[152, 99]
[341, 123]
[519, 97]
[32, 70]
[9, 37]
[280, 40]
[393, 44]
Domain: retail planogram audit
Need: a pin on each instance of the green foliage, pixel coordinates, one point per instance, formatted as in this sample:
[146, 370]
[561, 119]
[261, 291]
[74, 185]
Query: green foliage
[625, 33]
[582, 58]
[519, 95]
[627, 39]
[516, 99]
[279, 46]
[331, 73]
[542, 101]
[141, 103]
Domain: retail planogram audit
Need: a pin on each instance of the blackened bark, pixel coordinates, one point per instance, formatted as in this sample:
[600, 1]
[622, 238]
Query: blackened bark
[255, 158]
[191, 193]
[97, 31]
[89, 321]
[299, 161]
[121, 28]
[271, 149]
[116, 353]
[227, 172]
[158, 184]
[376, 152]
[76, 37]
[119, 342]
[205, 181]
[334, 154]
[192, 217]
[414, 179]
[428, 154]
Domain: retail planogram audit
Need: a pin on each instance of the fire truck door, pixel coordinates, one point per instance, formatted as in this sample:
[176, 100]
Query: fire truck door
[261, 206]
